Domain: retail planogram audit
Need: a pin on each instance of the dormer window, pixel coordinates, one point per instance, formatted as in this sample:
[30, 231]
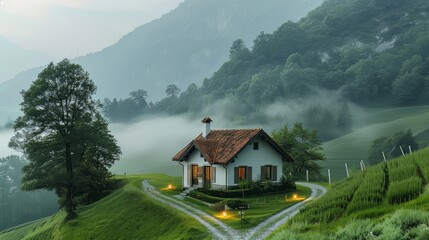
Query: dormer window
[255, 146]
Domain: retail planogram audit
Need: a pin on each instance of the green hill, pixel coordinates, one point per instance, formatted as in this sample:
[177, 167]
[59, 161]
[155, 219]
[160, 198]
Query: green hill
[372, 198]
[354, 147]
[125, 214]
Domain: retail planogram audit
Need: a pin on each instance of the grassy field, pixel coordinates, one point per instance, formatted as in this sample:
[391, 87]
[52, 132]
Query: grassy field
[260, 209]
[125, 214]
[354, 147]
[374, 194]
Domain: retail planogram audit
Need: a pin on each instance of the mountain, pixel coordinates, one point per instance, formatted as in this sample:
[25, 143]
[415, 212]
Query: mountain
[14, 59]
[184, 46]
[366, 53]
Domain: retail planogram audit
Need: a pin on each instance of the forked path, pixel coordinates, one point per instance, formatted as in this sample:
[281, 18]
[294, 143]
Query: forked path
[221, 230]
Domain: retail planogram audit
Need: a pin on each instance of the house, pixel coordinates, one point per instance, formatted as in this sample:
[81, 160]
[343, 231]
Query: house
[224, 157]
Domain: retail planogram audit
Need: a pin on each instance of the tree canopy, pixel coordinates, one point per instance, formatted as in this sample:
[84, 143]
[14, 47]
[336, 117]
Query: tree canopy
[391, 146]
[65, 139]
[305, 147]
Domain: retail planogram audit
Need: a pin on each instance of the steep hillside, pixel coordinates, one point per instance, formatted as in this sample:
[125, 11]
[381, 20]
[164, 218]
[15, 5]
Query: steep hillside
[373, 194]
[369, 52]
[182, 47]
[125, 214]
[14, 59]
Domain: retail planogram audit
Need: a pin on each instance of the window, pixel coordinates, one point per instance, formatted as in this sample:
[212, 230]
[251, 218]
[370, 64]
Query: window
[255, 146]
[269, 172]
[207, 174]
[210, 174]
[201, 155]
[213, 174]
[242, 173]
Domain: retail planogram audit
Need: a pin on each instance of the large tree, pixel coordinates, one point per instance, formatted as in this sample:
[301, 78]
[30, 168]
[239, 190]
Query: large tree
[305, 147]
[62, 133]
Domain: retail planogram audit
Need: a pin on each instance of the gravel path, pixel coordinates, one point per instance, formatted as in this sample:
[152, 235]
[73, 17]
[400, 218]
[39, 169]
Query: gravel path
[221, 230]
[265, 228]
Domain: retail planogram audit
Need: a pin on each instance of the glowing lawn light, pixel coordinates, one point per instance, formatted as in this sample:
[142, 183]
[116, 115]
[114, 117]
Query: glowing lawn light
[169, 187]
[295, 196]
[224, 213]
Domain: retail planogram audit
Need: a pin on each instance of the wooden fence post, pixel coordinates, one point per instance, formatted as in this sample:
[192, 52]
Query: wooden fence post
[347, 171]
[329, 175]
[307, 174]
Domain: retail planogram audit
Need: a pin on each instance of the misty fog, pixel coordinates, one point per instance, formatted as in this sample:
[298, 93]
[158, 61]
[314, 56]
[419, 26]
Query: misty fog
[5, 136]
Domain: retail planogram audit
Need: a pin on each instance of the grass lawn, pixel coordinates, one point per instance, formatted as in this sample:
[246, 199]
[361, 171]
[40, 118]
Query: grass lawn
[260, 209]
[128, 213]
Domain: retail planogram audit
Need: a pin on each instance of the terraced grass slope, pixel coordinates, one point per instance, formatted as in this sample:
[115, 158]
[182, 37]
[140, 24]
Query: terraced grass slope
[354, 147]
[372, 194]
[125, 214]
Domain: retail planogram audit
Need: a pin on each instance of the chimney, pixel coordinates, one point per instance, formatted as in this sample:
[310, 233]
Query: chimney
[206, 126]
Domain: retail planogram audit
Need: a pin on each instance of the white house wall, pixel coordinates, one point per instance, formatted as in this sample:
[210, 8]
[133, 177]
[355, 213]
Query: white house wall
[265, 155]
[196, 159]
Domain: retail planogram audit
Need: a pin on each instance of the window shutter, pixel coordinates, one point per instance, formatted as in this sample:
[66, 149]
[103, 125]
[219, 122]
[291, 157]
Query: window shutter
[236, 178]
[262, 173]
[249, 174]
[189, 175]
[213, 174]
[274, 173]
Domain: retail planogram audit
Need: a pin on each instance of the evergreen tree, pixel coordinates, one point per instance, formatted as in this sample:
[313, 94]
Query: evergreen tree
[172, 91]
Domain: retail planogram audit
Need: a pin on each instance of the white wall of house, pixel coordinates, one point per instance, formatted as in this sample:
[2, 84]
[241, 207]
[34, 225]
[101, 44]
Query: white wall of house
[265, 155]
[196, 159]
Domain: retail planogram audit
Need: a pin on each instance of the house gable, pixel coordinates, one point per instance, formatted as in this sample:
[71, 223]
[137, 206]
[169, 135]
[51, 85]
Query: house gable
[265, 155]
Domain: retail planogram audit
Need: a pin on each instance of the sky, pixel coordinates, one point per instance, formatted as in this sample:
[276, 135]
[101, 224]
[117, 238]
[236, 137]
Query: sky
[70, 28]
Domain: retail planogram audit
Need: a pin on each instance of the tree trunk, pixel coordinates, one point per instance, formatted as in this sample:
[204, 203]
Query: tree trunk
[70, 186]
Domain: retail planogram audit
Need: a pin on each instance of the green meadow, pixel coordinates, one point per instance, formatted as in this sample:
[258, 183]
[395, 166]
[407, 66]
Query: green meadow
[354, 147]
[128, 213]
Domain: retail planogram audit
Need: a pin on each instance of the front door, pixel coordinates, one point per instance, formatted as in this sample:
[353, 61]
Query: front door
[194, 174]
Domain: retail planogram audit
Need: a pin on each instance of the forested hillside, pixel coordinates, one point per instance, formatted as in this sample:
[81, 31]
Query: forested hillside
[368, 52]
[17, 206]
[182, 47]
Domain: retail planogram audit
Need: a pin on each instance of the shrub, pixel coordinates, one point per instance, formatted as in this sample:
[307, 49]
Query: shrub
[404, 224]
[204, 197]
[234, 203]
[359, 229]
[218, 206]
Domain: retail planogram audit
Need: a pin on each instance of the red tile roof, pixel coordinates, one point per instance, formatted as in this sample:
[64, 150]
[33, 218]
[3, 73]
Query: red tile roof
[222, 146]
